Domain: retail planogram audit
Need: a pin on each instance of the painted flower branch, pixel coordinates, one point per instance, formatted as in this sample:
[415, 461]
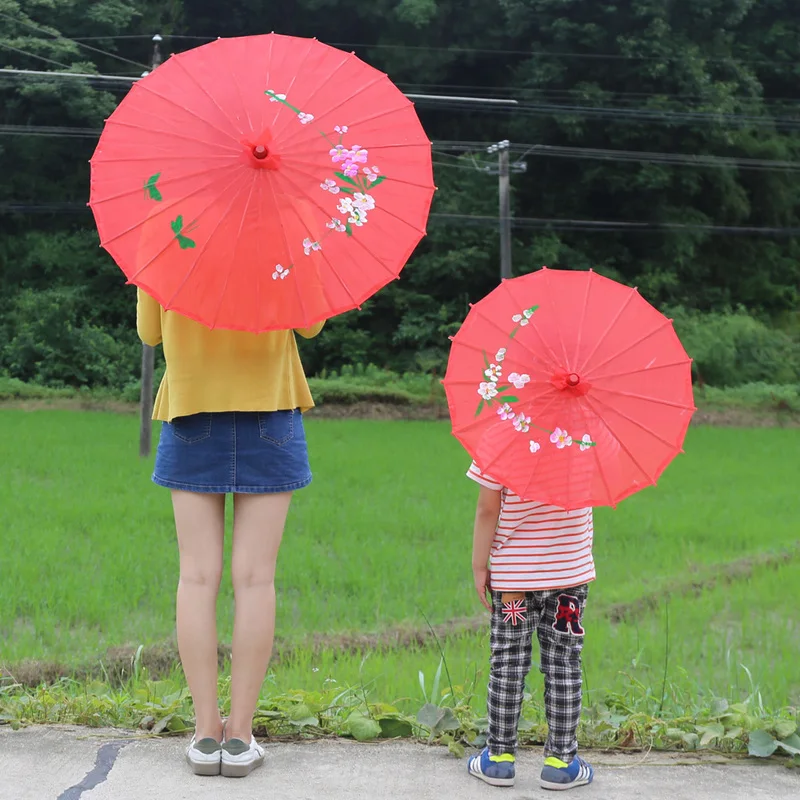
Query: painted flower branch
[492, 393]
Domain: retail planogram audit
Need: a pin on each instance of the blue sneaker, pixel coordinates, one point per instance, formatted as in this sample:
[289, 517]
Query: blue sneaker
[557, 774]
[494, 770]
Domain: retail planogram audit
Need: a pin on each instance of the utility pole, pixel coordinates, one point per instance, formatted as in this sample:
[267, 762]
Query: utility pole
[148, 353]
[504, 191]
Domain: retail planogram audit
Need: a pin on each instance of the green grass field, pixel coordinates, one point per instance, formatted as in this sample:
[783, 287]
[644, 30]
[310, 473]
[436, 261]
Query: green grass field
[382, 537]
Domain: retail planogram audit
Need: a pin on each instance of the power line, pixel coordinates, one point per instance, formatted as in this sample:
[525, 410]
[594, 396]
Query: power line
[58, 36]
[33, 55]
[675, 159]
[480, 51]
[610, 226]
[581, 225]
[549, 110]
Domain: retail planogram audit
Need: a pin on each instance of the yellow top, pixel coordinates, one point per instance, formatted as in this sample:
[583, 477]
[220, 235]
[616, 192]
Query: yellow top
[221, 370]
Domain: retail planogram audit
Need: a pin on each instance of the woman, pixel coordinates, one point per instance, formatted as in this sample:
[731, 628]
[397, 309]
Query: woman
[231, 404]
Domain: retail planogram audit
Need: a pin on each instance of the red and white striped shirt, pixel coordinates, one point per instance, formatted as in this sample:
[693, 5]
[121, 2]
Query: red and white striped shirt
[537, 546]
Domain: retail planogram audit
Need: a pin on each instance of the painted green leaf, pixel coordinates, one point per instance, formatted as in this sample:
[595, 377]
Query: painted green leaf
[348, 229]
[177, 224]
[185, 242]
[761, 744]
[480, 408]
[377, 181]
[151, 188]
[513, 333]
[501, 389]
[486, 359]
[346, 179]
[509, 398]
[346, 190]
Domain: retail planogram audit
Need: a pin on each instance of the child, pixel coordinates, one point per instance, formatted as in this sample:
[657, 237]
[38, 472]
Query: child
[541, 564]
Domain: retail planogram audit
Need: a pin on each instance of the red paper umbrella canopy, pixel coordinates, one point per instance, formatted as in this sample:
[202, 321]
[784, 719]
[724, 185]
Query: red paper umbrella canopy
[262, 183]
[569, 388]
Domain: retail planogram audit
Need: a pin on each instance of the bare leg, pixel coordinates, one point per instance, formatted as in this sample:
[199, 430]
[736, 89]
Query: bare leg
[200, 522]
[257, 530]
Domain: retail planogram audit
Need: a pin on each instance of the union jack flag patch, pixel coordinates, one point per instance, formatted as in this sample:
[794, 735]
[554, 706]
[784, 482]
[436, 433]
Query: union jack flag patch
[515, 611]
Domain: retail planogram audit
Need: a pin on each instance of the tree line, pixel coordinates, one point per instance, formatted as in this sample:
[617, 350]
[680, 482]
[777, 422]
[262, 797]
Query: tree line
[660, 142]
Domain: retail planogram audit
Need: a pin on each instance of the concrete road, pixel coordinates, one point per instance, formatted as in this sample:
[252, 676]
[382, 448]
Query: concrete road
[70, 763]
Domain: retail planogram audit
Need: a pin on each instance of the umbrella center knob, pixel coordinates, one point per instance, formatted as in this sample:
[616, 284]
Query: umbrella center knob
[573, 379]
[259, 151]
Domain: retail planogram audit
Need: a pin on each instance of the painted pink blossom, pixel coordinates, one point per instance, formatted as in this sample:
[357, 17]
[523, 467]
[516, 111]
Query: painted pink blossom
[522, 423]
[560, 439]
[372, 173]
[338, 153]
[505, 412]
[330, 186]
[336, 225]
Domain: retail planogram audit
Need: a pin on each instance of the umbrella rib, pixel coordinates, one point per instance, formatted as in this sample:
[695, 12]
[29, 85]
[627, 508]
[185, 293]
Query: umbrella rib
[640, 425]
[171, 134]
[266, 78]
[584, 306]
[531, 323]
[619, 440]
[237, 85]
[259, 252]
[599, 462]
[620, 393]
[345, 58]
[475, 422]
[587, 425]
[324, 255]
[165, 157]
[254, 177]
[289, 251]
[353, 238]
[627, 372]
[234, 125]
[480, 315]
[633, 344]
[161, 182]
[565, 362]
[286, 160]
[165, 208]
[288, 89]
[140, 224]
[363, 120]
[605, 333]
[381, 208]
[192, 269]
[474, 347]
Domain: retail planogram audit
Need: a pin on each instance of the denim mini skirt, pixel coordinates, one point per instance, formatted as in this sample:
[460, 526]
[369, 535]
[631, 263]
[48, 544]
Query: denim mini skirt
[244, 452]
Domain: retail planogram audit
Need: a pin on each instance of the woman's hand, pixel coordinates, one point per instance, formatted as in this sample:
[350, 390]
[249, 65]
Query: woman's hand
[481, 576]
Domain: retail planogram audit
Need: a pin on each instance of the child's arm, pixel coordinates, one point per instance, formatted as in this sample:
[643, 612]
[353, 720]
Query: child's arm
[486, 516]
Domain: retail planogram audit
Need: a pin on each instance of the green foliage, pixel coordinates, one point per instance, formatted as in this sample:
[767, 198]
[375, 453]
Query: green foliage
[735, 348]
[48, 343]
[728, 67]
[616, 721]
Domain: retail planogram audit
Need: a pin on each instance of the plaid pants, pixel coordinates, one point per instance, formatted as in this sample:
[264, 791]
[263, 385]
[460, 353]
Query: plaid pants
[556, 616]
